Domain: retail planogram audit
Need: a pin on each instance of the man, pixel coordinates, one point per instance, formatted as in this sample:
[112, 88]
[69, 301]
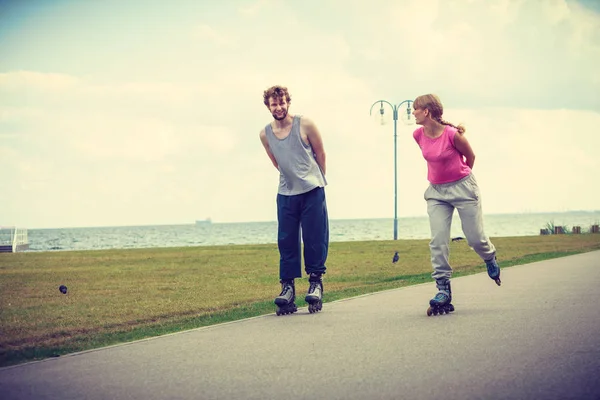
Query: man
[294, 145]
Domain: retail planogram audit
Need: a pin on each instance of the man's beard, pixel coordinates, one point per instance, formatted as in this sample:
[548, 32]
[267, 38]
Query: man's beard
[282, 117]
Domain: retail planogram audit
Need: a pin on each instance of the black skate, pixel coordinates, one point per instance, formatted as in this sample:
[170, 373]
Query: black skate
[442, 302]
[314, 297]
[285, 300]
[493, 270]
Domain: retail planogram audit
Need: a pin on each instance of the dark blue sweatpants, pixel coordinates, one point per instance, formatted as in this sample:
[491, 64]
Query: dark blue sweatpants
[305, 212]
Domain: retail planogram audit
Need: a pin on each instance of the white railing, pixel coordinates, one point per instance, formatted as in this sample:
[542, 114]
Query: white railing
[19, 238]
[13, 239]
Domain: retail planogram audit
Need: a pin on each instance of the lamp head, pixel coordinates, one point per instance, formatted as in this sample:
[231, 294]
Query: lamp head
[383, 117]
[407, 116]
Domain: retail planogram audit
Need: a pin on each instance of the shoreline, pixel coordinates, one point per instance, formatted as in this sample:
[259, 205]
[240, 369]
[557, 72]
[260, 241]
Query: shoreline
[274, 243]
[216, 222]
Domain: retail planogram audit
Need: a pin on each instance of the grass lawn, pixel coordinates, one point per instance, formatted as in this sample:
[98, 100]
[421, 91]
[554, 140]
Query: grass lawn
[117, 296]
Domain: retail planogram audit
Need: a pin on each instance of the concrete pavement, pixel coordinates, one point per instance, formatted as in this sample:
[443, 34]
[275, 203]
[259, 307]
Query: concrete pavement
[536, 337]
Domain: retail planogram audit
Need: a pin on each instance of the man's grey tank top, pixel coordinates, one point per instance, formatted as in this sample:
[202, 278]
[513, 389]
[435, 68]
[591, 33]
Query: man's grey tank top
[298, 169]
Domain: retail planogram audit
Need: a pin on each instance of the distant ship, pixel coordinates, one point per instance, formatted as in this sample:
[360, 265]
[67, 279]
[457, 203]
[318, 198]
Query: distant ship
[206, 221]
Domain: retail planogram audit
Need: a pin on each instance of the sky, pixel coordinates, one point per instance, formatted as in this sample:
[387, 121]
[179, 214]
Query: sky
[148, 112]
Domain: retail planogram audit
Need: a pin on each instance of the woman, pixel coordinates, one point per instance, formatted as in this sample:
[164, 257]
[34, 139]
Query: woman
[450, 160]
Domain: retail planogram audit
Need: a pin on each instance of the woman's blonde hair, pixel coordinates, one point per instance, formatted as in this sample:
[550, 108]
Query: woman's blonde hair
[432, 103]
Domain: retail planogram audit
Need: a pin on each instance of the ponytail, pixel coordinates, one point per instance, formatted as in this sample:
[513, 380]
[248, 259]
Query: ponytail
[461, 129]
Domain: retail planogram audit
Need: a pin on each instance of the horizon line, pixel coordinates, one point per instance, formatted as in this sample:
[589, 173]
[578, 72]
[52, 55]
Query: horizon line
[213, 222]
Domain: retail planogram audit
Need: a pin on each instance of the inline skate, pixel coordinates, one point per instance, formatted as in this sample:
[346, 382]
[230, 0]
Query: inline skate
[442, 302]
[314, 297]
[493, 270]
[287, 297]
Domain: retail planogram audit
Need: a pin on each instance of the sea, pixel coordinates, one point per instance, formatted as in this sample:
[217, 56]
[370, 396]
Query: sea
[341, 230]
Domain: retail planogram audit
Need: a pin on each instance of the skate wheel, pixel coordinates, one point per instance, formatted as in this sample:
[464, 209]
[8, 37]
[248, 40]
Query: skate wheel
[498, 282]
[429, 312]
[289, 309]
[315, 307]
[451, 308]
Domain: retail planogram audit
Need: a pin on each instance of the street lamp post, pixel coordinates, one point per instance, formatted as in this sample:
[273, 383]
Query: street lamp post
[408, 120]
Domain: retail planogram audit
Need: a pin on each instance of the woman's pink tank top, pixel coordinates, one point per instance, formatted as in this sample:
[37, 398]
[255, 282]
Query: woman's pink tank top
[444, 162]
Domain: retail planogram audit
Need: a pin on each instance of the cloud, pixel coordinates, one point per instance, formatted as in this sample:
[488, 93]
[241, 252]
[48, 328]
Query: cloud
[36, 80]
[254, 8]
[206, 32]
[492, 54]
[161, 126]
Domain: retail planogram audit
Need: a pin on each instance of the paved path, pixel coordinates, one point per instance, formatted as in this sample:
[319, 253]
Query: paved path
[536, 337]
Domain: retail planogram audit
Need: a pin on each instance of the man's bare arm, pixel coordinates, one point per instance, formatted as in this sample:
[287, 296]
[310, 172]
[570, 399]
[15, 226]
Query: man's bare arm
[316, 142]
[263, 139]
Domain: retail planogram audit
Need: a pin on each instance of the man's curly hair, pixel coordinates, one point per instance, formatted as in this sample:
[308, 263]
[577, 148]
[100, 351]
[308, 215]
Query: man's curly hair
[276, 92]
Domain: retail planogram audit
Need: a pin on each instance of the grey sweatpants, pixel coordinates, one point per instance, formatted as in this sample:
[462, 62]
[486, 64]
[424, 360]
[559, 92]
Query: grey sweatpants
[441, 201]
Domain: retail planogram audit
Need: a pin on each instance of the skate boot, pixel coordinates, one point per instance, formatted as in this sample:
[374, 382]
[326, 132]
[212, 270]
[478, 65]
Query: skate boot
[442, 302]
[285, 300]
[314, 297]
[493, 270]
